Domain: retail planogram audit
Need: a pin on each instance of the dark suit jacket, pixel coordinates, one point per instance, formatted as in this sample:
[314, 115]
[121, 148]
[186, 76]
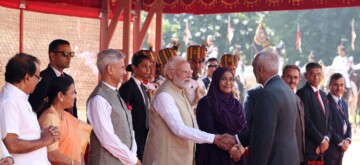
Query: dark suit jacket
[300, 129]
[206, 81]
[131, 94]
[337, 133]
[36, 99]
[273, 139]
[316, 123]
[249, 106]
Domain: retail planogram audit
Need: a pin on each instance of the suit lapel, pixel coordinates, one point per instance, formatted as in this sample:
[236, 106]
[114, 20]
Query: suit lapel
[138, 93]
[335, 109]
[51, 71]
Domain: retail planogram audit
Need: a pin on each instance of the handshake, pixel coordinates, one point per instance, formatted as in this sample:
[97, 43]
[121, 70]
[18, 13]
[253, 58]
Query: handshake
[228, 143]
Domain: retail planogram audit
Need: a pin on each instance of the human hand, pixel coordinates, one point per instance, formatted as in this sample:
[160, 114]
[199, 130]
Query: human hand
[225, 141]
[50, 135]
[6, 161]
[236, 152]
[345, 145]
[317, 151]
[324, 146]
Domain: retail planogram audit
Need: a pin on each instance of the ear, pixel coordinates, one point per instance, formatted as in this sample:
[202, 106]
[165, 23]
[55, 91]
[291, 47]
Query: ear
[27, 77]
[260, 68]
[109, 69]
[305, 75]
[60, 96]
[170, 74]
[133, 68]
[51, 55]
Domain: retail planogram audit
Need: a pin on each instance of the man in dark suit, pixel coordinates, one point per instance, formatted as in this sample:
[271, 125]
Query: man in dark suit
[341, 128]
[60, 56]
[317, 135]
[211, 65]
[249, 106]
[273, 139]
[291, 76]
[135, 94]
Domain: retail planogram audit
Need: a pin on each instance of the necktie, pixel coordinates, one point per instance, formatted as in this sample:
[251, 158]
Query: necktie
[320, 101]
[340, 107]
[343, 115]
[146, 101]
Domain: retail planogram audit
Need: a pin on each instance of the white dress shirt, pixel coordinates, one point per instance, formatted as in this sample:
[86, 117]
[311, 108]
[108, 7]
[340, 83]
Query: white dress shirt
[138, 83]
[98, 113]
[164, 104]
[17, 117]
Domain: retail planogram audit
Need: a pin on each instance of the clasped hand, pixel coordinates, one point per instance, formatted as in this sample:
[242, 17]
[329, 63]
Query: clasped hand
[228, 143]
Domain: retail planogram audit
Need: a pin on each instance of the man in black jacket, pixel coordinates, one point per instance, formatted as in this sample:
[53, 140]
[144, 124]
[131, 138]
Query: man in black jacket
[341, 128]
[317, 134]
[60, 56]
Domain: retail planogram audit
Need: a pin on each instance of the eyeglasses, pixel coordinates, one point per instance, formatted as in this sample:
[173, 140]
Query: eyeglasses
[213, 66]
[65, 53]
[38, 77]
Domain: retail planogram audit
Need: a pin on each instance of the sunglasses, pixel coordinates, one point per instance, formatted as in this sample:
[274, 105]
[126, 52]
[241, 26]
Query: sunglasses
[66, 54]
[212, 66]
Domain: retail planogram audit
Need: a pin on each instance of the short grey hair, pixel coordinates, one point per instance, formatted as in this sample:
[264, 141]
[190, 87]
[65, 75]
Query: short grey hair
[269, 60]
[172, 64]
[107, 57]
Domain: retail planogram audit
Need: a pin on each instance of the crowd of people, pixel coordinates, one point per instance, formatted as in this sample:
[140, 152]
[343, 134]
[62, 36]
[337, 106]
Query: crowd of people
[175, 117]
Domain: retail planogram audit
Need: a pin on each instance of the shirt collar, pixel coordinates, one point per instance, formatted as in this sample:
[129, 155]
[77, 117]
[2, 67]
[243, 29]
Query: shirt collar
[314, 89]
[137, 81]
[57, 72]
[111, 87]
[336, 99]
[16, 91]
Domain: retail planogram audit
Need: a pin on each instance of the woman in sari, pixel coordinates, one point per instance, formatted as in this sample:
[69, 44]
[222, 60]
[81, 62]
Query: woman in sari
[219, 112]
[60, 96]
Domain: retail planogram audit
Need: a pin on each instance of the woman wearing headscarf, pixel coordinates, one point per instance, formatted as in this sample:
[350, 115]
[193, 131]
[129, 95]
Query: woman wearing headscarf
[68, 149]
[219, 112]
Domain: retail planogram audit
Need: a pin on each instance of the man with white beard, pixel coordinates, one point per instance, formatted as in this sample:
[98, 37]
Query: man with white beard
[173, 129]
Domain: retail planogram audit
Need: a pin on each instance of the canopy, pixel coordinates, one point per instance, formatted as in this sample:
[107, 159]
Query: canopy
[91, 8]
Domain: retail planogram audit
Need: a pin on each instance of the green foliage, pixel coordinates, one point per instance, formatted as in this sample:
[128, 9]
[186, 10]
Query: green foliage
[321, 31]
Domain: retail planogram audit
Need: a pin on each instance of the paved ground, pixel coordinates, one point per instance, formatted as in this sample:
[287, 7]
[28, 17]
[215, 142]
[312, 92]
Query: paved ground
[352, 156]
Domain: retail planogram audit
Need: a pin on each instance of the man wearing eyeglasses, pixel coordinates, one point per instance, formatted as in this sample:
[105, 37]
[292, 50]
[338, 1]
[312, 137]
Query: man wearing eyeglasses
[60, 56]
[317, 114]
[20, 130]
[211, 65]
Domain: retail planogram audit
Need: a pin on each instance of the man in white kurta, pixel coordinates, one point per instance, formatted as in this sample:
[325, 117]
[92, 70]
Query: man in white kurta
[173, 128]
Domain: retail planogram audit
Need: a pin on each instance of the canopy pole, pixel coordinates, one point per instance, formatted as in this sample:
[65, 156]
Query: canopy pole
[104, 16]
[158, 36]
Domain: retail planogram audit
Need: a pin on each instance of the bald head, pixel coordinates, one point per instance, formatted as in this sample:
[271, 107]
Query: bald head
[265, 65]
